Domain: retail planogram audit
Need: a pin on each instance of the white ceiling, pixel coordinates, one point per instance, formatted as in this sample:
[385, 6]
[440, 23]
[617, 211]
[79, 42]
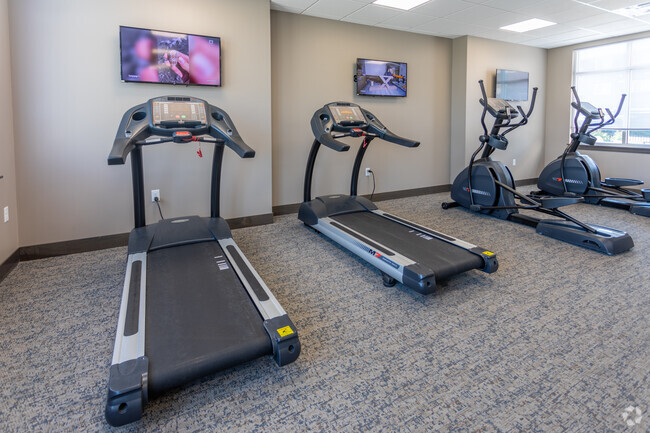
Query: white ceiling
[577, 20]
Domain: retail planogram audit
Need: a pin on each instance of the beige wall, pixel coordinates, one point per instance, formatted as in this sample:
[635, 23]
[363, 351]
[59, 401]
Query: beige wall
[459, 139]
[482, 58]
[313, 63]
[9, 230]
[68, 101]
[558, 116]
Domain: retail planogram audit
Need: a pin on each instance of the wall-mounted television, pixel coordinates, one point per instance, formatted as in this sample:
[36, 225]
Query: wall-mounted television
[511, 85]
[380, 78]
[154, 56]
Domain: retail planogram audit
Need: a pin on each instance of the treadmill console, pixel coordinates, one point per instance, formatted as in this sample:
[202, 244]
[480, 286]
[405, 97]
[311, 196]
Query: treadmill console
[329, 121]
[178, 112]
[170, 116]
[347, 114]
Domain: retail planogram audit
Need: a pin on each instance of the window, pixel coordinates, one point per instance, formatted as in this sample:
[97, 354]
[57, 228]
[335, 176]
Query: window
[601, 74]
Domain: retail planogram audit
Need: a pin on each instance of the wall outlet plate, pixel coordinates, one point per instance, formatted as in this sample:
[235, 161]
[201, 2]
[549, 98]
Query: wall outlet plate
[6, 212]
[155, 194]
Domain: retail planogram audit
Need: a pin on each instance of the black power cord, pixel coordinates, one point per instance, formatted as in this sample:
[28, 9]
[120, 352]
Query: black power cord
[373, 184]
[157, 200]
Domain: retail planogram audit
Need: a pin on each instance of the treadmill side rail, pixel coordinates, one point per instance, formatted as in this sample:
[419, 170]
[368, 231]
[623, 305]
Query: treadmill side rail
[381, 257]
[129, 345]
[268, 306]
[127, 381]
[281, 330]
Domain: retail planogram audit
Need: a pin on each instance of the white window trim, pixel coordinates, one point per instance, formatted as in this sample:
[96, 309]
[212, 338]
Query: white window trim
[624, 146]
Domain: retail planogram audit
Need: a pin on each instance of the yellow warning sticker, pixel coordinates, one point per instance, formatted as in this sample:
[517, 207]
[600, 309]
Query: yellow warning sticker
[285, 331]
[488, 253]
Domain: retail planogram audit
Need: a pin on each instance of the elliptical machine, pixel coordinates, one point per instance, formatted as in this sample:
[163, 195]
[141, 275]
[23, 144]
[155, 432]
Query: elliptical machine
[487, 186]
[575, 175]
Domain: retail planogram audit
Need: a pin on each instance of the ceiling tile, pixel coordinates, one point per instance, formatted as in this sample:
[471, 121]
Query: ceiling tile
[597, 20]
[625, 26]
[477, 14]
[502, 19]
[294, 6]
[407, 20]
[452, 28]
[372, 14]
[510, 5]
[545, 7]
[575, 12]
[333, 9]
[615, 4]
[441, 8]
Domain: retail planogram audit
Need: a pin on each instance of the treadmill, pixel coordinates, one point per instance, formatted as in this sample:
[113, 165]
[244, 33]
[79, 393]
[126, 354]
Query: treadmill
[192, 304]
[403, 251]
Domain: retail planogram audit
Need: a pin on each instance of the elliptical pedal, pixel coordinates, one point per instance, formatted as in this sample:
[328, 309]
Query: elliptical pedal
[556, 202]
[619, 181]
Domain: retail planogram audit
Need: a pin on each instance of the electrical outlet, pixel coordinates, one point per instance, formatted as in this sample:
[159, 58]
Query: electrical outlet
[514, 162]
[367, 171]
[6, 213]
[155, 194]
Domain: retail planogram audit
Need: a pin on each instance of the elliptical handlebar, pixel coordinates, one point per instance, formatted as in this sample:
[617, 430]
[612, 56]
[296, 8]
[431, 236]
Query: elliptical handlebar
[579, 104]
[620, 105]
[485, 130]
[524, 116]
[532, 103]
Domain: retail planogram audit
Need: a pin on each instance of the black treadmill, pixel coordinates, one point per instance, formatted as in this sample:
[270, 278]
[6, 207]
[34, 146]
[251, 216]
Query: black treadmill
[192, 304]
[403, 251]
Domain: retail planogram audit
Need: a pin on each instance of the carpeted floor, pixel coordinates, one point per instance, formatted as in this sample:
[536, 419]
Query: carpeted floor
[558, 339]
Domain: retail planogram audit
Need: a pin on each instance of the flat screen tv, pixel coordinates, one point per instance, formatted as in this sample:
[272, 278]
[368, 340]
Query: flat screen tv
[380, 78]
[511, 85]
[153, 56]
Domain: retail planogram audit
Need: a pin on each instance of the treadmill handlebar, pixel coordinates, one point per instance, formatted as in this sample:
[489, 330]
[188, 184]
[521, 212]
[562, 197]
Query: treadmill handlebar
[324, 126]
[137, 126]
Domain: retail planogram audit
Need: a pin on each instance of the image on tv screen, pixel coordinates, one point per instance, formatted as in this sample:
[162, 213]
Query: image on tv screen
[381, 78]
[152, 56]
[512, 85]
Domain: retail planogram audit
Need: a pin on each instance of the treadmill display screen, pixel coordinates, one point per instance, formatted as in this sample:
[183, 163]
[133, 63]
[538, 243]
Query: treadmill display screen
[347, 114]
[165, 111]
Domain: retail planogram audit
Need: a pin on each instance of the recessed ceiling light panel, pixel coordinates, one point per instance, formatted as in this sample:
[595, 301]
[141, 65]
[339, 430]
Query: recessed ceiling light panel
[400, 4]
[528, 25]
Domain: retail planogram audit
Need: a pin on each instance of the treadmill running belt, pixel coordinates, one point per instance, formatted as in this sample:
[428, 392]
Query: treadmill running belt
[199, 317]
[444, 259]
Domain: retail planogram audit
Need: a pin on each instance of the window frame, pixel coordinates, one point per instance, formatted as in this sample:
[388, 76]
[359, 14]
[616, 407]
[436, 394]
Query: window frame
[624, 145]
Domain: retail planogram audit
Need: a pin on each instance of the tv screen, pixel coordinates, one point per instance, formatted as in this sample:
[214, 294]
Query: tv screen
[512, 85]
[152, 56]
[381, 78]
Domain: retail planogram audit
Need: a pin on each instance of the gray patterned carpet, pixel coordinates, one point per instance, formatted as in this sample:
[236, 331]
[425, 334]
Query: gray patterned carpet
[557, 340]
